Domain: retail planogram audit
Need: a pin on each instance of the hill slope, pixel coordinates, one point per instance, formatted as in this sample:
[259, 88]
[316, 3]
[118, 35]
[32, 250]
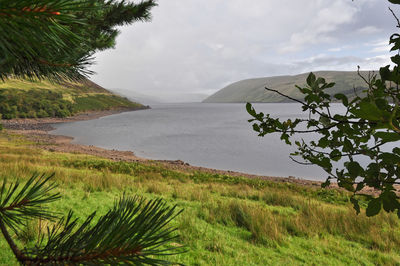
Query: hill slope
[253, 90]
[31, 99]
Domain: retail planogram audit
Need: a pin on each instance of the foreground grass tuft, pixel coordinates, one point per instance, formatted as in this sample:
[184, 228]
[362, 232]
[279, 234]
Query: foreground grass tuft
[226, 220]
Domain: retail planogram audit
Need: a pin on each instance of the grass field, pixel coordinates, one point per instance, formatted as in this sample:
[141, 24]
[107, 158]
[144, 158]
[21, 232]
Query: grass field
[32, 99]
[226, 220]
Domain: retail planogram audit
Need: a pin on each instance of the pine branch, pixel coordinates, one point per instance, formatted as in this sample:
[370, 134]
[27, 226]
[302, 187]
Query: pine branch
[17, 252]
[57, 38]
[133, 232]
[33, 32]
[20, 204]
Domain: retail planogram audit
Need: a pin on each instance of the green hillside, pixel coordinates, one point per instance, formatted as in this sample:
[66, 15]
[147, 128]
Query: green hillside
[38, 99]
[253, 90]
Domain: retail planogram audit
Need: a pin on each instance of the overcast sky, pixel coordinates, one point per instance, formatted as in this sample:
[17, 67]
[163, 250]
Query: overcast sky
[196, 47]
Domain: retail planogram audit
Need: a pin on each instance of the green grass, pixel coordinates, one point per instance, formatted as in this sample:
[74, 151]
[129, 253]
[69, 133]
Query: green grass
[31, 99]
[68, 87]
[98, 102]
[226, 220]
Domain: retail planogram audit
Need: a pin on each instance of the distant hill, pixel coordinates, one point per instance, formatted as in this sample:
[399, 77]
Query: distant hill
[253, 90]
[136, 96]
[37, 99]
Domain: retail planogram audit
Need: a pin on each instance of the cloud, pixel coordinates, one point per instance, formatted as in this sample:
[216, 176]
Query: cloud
[198, 46]
[368, 30]
[336, 49]
[345, 63]
[327, 19]
[378, 46]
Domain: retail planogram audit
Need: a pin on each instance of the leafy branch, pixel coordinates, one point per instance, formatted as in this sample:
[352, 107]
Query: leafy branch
[367, 128]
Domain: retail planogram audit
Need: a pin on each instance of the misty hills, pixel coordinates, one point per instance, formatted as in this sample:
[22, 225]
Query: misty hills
[253, 90]
[160, 97]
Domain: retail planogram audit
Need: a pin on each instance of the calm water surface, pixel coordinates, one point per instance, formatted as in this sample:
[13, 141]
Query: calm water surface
[210, 135]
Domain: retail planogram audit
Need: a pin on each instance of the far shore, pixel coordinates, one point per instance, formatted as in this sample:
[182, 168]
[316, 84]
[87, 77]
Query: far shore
[44, 124]
[37, 131]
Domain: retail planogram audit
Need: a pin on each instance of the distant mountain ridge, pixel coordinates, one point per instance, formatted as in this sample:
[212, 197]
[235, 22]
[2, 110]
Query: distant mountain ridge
[253, 90]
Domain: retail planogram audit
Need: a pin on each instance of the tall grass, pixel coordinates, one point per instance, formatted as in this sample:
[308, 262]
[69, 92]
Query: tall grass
[226, 218]
[312, 219]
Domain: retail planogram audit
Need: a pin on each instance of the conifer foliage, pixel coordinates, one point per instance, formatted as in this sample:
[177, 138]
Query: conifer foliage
[56, 39]
[134, 231]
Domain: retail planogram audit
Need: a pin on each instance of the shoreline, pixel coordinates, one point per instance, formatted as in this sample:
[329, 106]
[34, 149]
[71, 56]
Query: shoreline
[44, 124]
[37, 131]
[58, 143]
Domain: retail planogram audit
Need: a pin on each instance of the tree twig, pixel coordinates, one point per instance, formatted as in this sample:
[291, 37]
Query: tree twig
[17, 252]
[397, 19]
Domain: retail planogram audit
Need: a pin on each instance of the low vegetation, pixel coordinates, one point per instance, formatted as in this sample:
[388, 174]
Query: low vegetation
[39, 99]
[226, 220]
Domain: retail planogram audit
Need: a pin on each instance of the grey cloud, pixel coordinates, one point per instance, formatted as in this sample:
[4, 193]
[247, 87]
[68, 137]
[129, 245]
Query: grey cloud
[199, 46]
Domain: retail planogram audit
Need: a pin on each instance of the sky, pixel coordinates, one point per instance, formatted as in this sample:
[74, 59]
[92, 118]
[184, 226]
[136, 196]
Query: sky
[193, 48]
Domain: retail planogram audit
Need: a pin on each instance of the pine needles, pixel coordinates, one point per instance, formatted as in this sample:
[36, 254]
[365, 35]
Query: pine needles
[134, 231]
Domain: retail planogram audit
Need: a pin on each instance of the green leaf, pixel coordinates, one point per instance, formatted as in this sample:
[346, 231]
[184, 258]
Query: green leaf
[346, 183]
[343, 98]
[335, 155]
[311, 79]
[373, 170]
[368, 111]
[323, 142]
[347, 145]
[356, 206]
[384, 72]
[256, 128]
[354, 169]
[388, 136]
[320, 81]
[382, 104]
[389, 158]
[396, 2]
[285, 137]
[396, 150]
[396, 59]
[324, 120]
[374, 207]
[394, 39]
[329, 85]
[389, 201]
[327, 183]
[251, 110]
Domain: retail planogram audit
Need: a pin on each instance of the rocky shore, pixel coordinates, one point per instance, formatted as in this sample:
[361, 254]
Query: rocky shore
[44, 124]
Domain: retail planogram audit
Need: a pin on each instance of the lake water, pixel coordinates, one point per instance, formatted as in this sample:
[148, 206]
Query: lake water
[201, 134]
